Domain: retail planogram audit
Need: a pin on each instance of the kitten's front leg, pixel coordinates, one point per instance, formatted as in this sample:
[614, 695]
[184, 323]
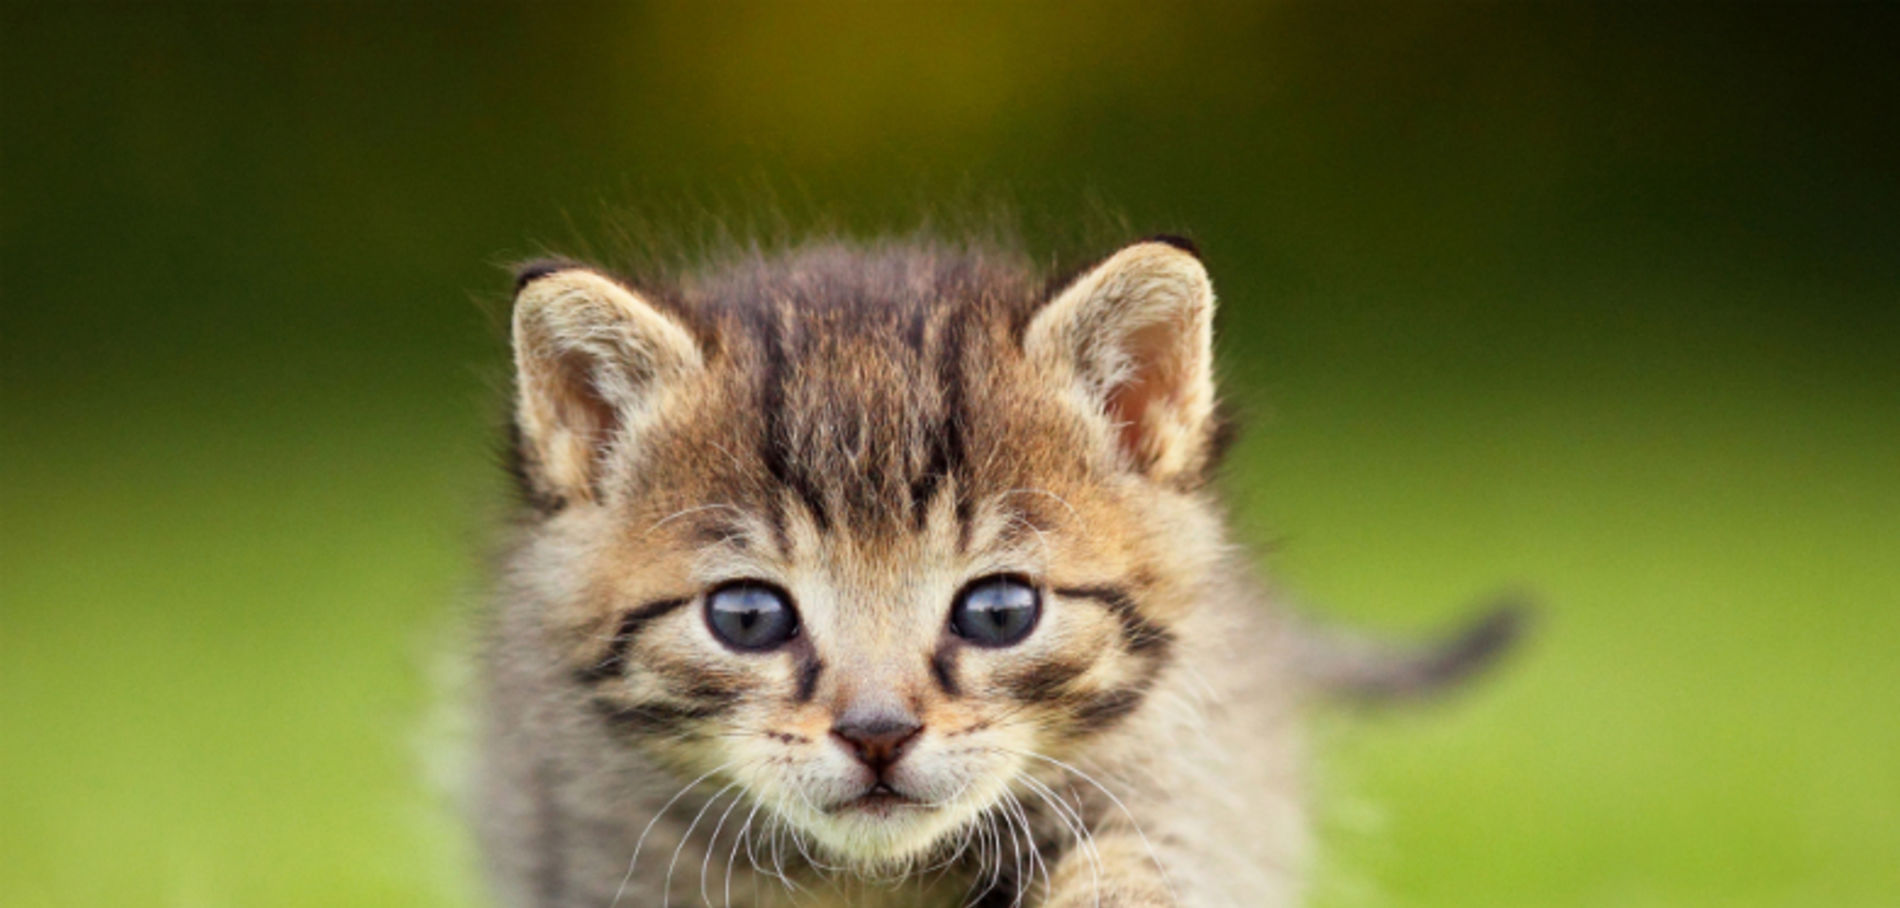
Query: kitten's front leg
[1119, 872]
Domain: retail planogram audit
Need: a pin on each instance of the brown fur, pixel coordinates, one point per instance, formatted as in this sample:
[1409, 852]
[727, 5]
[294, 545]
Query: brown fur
[871, 428]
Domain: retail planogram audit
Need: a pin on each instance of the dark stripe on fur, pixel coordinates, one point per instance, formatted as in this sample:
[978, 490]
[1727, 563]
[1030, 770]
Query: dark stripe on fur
[656, 718]
[613, 663]
[949, 448]
[1104, 709]
[966, 523]
[775, 518]
[943, 667]
[776, 447]
[809, 668]
[1096, 711]
[689, 682]
[1044, 680]
[1138, 633]
[916, 325]
[923, 489]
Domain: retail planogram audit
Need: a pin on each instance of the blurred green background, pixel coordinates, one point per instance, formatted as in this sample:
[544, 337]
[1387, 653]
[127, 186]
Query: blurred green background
[1603, 302]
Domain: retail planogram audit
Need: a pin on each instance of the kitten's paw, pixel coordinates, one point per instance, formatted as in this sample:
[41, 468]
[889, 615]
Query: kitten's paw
[1119, 872]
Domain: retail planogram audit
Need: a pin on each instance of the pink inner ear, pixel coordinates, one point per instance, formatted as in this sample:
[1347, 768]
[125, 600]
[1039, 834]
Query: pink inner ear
[1153, 382]
[582, 406]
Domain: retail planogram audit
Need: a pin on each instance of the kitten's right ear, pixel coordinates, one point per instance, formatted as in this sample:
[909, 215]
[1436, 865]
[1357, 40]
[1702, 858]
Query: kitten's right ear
[591, 357]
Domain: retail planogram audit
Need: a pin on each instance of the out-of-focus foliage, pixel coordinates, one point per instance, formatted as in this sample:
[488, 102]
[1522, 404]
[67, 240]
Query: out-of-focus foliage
[1597, 301]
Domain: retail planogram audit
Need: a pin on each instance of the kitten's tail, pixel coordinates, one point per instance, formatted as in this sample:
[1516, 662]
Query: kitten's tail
[1359, 669]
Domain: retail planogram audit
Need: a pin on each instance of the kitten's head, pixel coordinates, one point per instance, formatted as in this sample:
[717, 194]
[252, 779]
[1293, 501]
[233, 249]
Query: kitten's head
[868, 534]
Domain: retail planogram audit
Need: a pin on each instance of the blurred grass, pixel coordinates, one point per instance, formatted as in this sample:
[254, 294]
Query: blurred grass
[1597, 301]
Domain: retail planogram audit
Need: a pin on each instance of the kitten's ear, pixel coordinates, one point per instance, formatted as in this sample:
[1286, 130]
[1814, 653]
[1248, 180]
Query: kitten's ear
[591, 357]
[1133, 339]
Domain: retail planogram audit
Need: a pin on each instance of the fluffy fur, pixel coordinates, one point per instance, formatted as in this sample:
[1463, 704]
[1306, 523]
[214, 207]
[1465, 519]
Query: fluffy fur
[871, 429]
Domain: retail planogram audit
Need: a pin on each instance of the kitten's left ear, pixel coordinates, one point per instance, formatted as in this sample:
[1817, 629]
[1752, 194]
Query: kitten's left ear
[1132, 338]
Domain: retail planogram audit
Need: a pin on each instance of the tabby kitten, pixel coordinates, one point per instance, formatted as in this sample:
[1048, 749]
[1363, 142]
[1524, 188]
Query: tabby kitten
[884, 576]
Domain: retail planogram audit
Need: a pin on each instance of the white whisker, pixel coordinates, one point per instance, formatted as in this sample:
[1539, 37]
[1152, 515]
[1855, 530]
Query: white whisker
[627, 878]
[712, 846]
[1132, 822]
[666, 888]
[1072, 821]
[737, 841]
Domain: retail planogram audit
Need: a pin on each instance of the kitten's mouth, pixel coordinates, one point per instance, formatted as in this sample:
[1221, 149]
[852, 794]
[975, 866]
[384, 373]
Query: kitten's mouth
[879, 800]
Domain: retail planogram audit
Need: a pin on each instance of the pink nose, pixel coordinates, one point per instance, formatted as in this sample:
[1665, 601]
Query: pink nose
[877, 739]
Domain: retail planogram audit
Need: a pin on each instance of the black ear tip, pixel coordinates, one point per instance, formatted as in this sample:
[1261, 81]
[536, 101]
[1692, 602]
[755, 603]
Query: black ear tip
[528, 272]
[1179, 242]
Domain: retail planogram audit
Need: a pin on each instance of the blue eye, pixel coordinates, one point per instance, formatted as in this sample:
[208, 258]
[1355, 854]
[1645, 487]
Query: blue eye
[751, 616]
[996, 611]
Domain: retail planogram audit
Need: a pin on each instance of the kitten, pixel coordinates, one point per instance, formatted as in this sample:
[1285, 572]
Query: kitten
[884, 576]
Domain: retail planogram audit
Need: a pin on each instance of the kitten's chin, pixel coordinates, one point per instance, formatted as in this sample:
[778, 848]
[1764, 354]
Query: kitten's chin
[874, 835]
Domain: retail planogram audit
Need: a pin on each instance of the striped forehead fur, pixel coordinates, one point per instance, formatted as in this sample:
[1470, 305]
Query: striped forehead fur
[863, 381]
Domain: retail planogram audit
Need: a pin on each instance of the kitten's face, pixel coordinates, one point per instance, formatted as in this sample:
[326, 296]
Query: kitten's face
[873, 578]
[878, 692]
[875, 693]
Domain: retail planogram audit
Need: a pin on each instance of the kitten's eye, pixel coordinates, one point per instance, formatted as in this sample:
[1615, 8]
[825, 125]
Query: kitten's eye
[751, 616]
[996, 611]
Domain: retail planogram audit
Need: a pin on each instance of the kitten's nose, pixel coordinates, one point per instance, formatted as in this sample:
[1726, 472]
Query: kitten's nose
[877, 738]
